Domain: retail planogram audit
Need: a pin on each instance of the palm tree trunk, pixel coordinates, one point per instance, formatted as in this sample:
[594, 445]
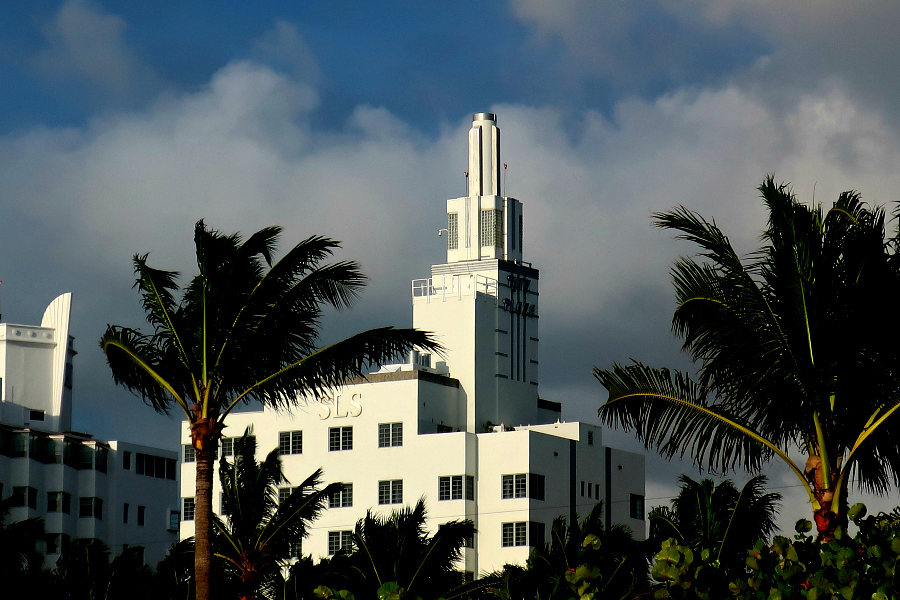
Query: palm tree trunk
[203, 522]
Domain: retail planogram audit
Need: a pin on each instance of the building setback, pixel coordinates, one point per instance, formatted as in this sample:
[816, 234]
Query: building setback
[120, 493]
[469, 433]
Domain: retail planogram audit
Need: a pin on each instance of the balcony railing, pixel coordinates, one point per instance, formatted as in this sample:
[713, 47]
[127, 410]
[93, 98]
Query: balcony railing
[453, 286]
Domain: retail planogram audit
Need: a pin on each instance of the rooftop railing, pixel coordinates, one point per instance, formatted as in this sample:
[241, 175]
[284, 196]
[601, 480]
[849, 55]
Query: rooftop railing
[465, 285]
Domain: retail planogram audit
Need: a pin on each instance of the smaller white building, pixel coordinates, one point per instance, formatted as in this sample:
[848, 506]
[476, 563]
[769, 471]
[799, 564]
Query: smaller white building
[120, 493]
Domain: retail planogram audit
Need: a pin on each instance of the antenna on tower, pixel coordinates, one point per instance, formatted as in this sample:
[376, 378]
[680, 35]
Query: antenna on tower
[466, 190]
[504, 179]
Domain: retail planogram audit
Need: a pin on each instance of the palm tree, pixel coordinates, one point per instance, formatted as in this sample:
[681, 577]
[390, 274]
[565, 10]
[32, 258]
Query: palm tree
[18, 553]
[797, 348]
[257, 535]
[245, 329]
[621, 560]
[718, 518]
[395, 553]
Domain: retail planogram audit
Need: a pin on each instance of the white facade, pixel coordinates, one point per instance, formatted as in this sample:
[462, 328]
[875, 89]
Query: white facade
[469, 433]
[79, 485]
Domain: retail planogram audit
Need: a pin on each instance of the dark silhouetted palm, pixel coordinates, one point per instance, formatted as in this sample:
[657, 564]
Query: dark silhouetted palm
[797, 348]
[255, 538]
[245, 329]
[18, 551]
[719, 518]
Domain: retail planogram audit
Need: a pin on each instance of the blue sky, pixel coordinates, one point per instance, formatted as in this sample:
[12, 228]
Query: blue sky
[122, 123]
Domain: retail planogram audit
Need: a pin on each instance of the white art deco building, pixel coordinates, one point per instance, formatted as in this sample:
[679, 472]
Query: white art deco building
[120, 493]
[469, 432]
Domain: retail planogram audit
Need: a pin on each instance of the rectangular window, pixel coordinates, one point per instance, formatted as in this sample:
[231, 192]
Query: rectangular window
[53, 542]
[290, 442]
[284, 493]
[470, 487]
[390, 492]
[59, 502]
[174, 520]
[339, 540]
[582, 489]
[125, 513]
[24, 496]
[187, 509]
[36, 415]
[492, 228]
[142, 513]
[537, 486]
[590, 438]
[535, 534]
[637, 507]
[340, 438]
[390, 434]
[452, 231]
[295, 548]
[514, 534]
[85, 507]
[450, 487]
[190, 455]
[590, 487]
[227, 446]
[514, 486]
[597, 491]
[342, 498]
[126, 460]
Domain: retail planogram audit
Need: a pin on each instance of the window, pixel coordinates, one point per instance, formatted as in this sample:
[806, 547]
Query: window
[190, 455]
[597, 491]
[537, 486]
[125, 513]
[340, 438]
[295, 549]
[142, 513]
[339, 540]
[174, 520]
[582, 489]
[187, 509]
[390, 434]
[452, 231]
[535, 534]
[450, 487]
[342, 498]
[469, 541]
[24, 496]
[126, 460]
[154, 466]
[514, 486]
[227, 446]
[390, 492]
[590, 485]
[59, 502]
[492, 228]
[290, 442]
[284, 493]
[53, 541]
[36, 415]
[521, 231]
[637, 507]
[90, 507]
[590, 438]
[513, 534]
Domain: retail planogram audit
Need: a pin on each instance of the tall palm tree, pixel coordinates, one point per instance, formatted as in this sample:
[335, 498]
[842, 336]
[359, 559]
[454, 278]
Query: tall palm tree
[797, 348]
[18, 540]
[255, 538]
[719, 518]
[245, 329]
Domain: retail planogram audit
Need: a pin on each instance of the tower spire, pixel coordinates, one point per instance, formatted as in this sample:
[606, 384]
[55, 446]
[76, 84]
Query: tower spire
[484, 155]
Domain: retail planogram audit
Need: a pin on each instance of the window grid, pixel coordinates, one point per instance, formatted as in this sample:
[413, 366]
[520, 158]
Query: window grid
[295, 548]
[339, 540]
[290, 442]
[514, 534]
[284, 493]
[340, 438]
[390, 435]
[390, 492]
[342, 498]
[470, 487]
[450, 487]
[187, 513]
[190, 455]
[452, 231]
[514, 486]
[227, 446]
[637, 506]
